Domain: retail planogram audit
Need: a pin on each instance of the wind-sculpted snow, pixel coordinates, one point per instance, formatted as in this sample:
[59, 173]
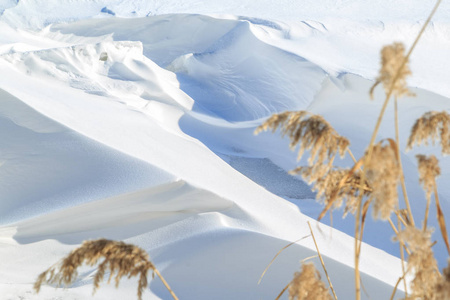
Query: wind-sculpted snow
[131, 214]
[247, 78]
[117, 121]
[46, 166]
[231, 74]
[39, 13]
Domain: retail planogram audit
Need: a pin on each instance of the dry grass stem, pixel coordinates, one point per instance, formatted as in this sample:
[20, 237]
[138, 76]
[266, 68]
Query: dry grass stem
[421, 262]
[394, 65]
[309, 132]
[307, 285]
[278, 253]
[402, 175]
[123, 260]
[322, 262]
[308, 258]
[382, 171]
[365, 209]
[403, 215]
[402, 257]
[431, 125]
[396, 287]
[283, 290]
[441, 220]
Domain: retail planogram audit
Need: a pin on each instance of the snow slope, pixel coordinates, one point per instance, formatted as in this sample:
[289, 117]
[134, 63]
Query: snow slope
[130, 121]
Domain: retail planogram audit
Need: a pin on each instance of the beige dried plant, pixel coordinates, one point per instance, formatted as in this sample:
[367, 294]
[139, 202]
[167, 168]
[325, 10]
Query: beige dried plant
[421, 262]
[392, 57]
[382, 172]
[123, 260]
[443, 286]
[431, 125]
[428, 171]
[307, 285]
[325, 187]
[309, 132]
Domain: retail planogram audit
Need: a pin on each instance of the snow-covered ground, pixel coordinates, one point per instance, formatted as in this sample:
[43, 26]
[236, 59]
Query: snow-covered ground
[134, 120]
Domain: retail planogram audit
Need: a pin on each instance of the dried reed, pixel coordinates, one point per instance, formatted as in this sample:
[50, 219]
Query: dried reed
[322, 262]
[380, 176]
[327, 187]
[309, 132]
[431, 125]
[307, 285]
[402, 175]
[123, 259]
[392, 58]
[428, 171]
[382, 172]
[421, 262]
[443, 286]
[278, 253]
[441, 221]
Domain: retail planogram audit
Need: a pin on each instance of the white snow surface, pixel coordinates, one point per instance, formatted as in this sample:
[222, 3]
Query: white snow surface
[134, 121]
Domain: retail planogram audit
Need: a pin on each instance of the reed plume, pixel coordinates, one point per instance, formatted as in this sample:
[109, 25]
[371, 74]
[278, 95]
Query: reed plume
[328, 186]
[382, 172]
[391, 76]
[307, 285]
[428, 171]
[443, 286]
[431, 125]
[122, 259]
[309, 132]
[421, 262]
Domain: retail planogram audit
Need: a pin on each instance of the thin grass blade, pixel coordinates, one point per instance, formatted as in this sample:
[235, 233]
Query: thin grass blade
[278, 253]
[441, 220]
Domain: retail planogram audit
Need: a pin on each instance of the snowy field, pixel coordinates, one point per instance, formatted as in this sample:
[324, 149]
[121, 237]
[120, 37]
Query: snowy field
[134, 121]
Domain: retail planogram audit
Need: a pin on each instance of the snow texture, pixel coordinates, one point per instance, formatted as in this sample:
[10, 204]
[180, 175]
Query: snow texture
[134, 121]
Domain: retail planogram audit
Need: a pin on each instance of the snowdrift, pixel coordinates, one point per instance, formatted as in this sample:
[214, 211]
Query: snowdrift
[117, 121]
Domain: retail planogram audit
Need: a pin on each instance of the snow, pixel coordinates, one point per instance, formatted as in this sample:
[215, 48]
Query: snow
[134, 121]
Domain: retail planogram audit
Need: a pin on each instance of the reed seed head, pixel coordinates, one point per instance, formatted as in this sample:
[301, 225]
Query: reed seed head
[382, 171]
[421, 262]
[431, 125]
[312, 133]
[119, 258]
[326, 186]
[392, 58]
[428, 171]
[307, 285]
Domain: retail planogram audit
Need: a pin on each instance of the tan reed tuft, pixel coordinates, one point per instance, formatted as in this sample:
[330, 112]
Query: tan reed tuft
[307, 285]
[443, 286]
[421, 262]
[431, 125]
[123, 259]
[309, 132]
[428, 171]
[326, 187]
[382, 171]
[392, 57]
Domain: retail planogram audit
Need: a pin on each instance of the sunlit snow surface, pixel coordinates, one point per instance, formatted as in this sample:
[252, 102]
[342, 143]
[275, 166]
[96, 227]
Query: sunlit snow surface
[134, 120]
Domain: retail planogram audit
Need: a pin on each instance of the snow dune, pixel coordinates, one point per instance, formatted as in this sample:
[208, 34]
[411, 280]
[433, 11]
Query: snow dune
[118, 120]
